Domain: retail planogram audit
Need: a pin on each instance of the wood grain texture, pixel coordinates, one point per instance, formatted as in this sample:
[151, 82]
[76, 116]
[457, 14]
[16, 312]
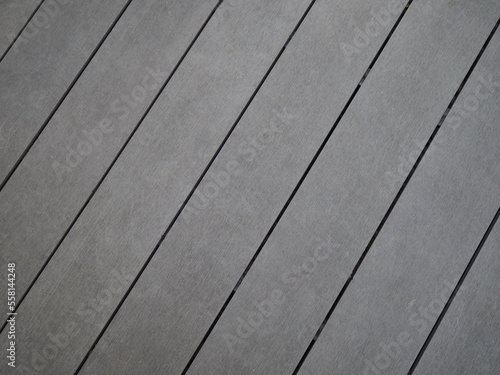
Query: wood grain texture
[13, 16]
[58, 175]
[400, 289]
[320, 237]
[138, 199]
[38, 69]
[466, 341]
[174, 302]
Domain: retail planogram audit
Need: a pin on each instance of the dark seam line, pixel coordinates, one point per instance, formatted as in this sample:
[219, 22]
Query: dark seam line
[109, 168]
[228, 300]
[195, 186]
[61, 100]
[398, 195]
[455, 291]
[21, 31]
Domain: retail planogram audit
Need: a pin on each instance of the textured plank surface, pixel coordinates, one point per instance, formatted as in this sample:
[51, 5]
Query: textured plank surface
[390, 307]
[13, 16]
[140, 196]
[467, 341]
[346, 195]
[218, 232]
[37, 70]
[57, 176]
[174, 309]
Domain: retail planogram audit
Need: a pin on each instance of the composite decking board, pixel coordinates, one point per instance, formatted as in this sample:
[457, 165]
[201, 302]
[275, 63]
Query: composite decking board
[37, 71]
[425, 245]
[466, 341]
[345, 196]
[13, 17]
[42, 198]
[209, 246]
[139, 197]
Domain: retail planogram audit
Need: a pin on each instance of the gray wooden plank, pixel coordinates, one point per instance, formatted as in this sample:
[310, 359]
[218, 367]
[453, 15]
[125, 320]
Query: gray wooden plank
[466, 341]
[401, 287]
[57, 176]
[138, 199]
[328, 224]
[208, 248]
[38, 70]
[13, 16]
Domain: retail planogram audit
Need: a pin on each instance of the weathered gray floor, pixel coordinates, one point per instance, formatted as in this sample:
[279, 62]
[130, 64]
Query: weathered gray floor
[240, 187]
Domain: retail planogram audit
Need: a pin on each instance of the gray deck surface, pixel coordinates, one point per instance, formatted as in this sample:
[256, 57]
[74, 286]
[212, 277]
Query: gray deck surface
[251, 186]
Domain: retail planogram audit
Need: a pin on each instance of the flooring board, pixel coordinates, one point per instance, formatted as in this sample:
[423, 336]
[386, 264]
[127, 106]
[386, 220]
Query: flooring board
[38, 70]
[137, 200]
[401, 287]
[328, 224]
[60, 172]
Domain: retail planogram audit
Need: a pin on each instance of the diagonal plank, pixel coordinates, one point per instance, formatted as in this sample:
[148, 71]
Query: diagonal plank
[466, 341]
[216, 235]
[426, 243]
[153, 176]
[13, 16]
[41, 66]
[53, 182]
[290, 287]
